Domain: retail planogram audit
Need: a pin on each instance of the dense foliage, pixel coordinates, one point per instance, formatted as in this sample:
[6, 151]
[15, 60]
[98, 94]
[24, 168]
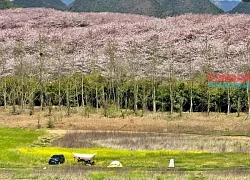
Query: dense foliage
[157, 8]
[99, 91]
[177, 7]
[5, 4]
[242, 7]
[56, 4]
[50, 57]
[144, 7]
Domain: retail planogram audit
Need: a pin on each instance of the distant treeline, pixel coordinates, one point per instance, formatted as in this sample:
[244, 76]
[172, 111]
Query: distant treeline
[97, 91]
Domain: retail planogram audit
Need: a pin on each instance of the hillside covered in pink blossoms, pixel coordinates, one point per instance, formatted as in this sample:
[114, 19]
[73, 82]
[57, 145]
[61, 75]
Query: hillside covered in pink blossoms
[83, 42]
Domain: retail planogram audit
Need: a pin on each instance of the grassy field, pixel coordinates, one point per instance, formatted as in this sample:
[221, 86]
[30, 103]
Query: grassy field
[203, 147]
[147, 159]
[10, 141]
[22, 156]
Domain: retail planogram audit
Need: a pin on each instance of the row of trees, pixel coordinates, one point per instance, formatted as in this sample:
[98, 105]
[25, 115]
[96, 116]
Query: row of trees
[53, 72]
[98, 91]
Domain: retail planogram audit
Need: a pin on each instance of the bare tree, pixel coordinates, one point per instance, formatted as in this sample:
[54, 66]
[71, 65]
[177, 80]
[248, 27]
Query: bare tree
[207, 52]
[59, 64]
[3, 73]
[171, 61]
[191, 84]
[112, 66]
[134, 66]
[18, 53]
[246, 69]
[154, 60]
[41, 66]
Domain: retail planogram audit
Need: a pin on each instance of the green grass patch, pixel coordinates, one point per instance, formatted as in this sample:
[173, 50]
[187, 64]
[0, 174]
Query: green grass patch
[15, 137]
[100, 175]
[17, 152]
[151, 160]
[10, 141]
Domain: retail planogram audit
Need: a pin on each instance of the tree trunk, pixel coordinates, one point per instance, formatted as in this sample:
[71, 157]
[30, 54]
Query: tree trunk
[121, 101]
[50, 105]
[59, 93]
[171, 87]
[104, 103]
[96, 97]
[86, 99]
[22, 93]
[238, 108]
[154, 101]
[68, 103]
[135, 97]
[118, 97]
[41, 99]
[228, 101]
[191, 98]
[126, 100]
[208, 102]
[31, 103]
[109, 93]
[113, 95]
[103, 95]
[143, 100]
[171, 98]
[14, 103]
[162, 105]
[76, 96]
[5, 94]
[82, 92]
[181, 106]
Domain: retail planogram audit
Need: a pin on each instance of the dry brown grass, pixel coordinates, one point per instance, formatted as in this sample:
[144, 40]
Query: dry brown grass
[196, 123]
[154, 141]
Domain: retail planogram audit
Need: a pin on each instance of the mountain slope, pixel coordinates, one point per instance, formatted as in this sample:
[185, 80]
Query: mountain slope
[243, 7]
[177, 7]
[5, 4]
[55, 4]
[84, 38]
[143, 7]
